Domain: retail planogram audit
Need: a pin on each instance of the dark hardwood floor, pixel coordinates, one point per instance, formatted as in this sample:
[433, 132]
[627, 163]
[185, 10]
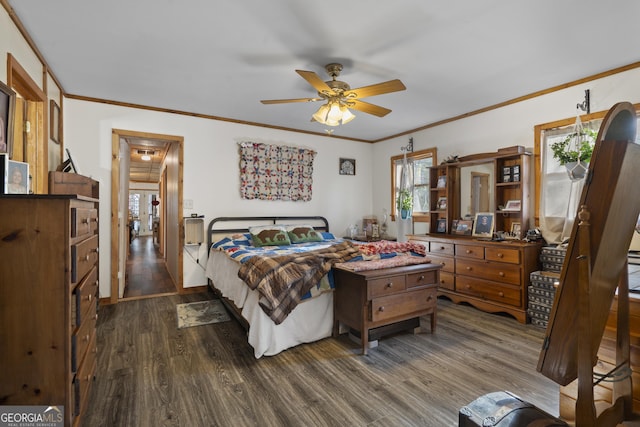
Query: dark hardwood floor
[152, 374]
[146, 273]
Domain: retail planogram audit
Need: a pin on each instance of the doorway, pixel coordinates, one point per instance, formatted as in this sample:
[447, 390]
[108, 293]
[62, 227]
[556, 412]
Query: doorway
[163, 247]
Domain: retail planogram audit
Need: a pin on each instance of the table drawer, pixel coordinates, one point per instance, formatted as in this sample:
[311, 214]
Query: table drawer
[447, 263]
[503, 255]
[492, 291]
[441, 248]
[386, 285]
[84, 255]
[447, 281]
[470, 251]
[83, 221]
[501, 272]
[403, 304]
[422, 278]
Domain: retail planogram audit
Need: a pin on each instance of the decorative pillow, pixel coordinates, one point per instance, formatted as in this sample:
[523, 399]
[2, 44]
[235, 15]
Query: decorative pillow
[269, 235]
[303, 233]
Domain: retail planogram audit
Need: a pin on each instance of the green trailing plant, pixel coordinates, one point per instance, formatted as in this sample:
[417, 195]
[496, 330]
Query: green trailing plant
[405, 200]
[566, 151]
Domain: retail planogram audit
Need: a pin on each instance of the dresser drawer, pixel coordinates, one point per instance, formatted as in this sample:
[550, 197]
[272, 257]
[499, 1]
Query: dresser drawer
[85, 295]
[84, 378]
[386, 285]
[84, 255]
[82, 337]
[501, 272]
[441, 248]
[503, 255]
[470, 251]
[403, 304]
[423, 278]
[83, 221]
[492, 291]
[447, 263]
[447, 281]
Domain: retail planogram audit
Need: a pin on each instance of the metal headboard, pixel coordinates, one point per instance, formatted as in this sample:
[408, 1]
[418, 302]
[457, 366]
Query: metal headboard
[242, 223]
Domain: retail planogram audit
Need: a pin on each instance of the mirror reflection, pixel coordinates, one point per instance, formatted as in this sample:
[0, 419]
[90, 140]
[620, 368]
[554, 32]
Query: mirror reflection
[477, 189]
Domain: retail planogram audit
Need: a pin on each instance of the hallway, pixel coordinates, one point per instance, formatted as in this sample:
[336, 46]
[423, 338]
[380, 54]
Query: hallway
[146, 273]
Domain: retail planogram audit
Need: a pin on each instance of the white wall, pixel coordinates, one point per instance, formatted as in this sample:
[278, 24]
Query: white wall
[211, 175]
[503, 127]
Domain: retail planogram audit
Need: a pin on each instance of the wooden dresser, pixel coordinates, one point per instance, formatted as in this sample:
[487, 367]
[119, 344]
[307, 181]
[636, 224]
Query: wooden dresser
[370, 299]
[492, 276]
[48, 300]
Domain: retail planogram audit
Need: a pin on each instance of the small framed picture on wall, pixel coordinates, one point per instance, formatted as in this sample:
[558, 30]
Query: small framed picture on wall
[347, 166]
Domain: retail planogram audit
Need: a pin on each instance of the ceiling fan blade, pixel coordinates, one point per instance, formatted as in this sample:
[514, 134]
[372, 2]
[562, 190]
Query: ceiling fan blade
[377, 89]
[314, 80]
[284, 101]
[365, 107]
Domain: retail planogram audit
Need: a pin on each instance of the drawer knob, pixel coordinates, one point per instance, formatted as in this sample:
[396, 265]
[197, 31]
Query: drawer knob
[421, 277]
[95, 317]
[468, 286]
[442, 248]
[500, 255]
[97, 250]
[381, 309]
[86, 257]
[390, 285]
[85, 220]
[86, 338]
[89, 297]
[96, 219]
[429, 298]
[501, 294]
[468, 251]
[469, 268]
[501, 274]
[443, 263]
[442, 281]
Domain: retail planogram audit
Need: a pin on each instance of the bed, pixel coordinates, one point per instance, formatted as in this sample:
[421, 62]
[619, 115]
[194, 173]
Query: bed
[233, 254]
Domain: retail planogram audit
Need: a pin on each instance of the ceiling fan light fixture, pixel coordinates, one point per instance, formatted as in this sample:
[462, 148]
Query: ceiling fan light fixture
[333, 113]
[146, 157]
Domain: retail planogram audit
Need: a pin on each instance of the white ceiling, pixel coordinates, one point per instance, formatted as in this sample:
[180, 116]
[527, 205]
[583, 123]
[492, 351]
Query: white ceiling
[220, 58]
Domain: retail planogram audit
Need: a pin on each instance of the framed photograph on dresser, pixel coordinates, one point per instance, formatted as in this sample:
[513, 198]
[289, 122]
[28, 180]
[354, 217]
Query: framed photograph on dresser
[483, 225]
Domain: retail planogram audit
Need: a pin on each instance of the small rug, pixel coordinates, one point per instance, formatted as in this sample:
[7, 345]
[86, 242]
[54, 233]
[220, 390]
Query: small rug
[201, 313]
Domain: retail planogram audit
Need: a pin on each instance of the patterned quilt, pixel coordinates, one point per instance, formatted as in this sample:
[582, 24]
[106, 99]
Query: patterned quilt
[283, 280]
[275, 302]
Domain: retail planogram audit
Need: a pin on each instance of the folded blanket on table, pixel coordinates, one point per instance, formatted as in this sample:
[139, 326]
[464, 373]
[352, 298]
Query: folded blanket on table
[386, 246]
[283, 280]
[397, 261]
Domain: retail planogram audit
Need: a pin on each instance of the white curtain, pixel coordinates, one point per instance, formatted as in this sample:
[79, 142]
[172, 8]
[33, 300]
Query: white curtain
[405, 226]
[559, 195]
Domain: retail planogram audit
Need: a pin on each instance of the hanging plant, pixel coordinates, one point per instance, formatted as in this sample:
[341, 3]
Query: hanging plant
[576, 147]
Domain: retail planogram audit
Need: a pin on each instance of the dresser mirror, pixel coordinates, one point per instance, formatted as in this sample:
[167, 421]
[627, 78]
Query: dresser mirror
[477, 183]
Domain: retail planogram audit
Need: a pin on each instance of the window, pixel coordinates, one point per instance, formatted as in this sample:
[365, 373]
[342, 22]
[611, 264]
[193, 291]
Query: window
[420, 161]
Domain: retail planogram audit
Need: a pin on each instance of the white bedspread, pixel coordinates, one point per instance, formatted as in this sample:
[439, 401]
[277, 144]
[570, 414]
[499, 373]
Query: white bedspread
[310, 321]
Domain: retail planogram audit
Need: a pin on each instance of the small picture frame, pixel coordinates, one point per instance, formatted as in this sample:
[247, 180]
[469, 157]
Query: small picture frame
[7, 111]
[483, 225]
[512, 206]
[506, 174]
[15, 176]
[442, 203]
[516, 230]
[464, 227]
[442, 181]
[515, 170]
[347, 166]
[55, 124]
[441, 226]
[454, 224]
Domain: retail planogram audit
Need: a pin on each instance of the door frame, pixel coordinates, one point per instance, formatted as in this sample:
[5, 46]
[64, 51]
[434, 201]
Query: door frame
[116, 218]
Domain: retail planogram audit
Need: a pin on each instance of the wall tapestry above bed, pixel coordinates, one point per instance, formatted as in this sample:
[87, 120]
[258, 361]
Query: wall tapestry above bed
[275, 172]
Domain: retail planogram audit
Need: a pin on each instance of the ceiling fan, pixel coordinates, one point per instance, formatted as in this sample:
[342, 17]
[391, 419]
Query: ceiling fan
[340, 97]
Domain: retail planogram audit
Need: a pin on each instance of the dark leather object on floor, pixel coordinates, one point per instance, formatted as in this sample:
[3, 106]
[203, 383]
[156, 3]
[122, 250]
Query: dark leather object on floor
[504, 409]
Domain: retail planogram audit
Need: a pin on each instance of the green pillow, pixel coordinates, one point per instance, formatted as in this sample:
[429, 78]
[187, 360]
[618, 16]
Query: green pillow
[303, 233]
[269, 235]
